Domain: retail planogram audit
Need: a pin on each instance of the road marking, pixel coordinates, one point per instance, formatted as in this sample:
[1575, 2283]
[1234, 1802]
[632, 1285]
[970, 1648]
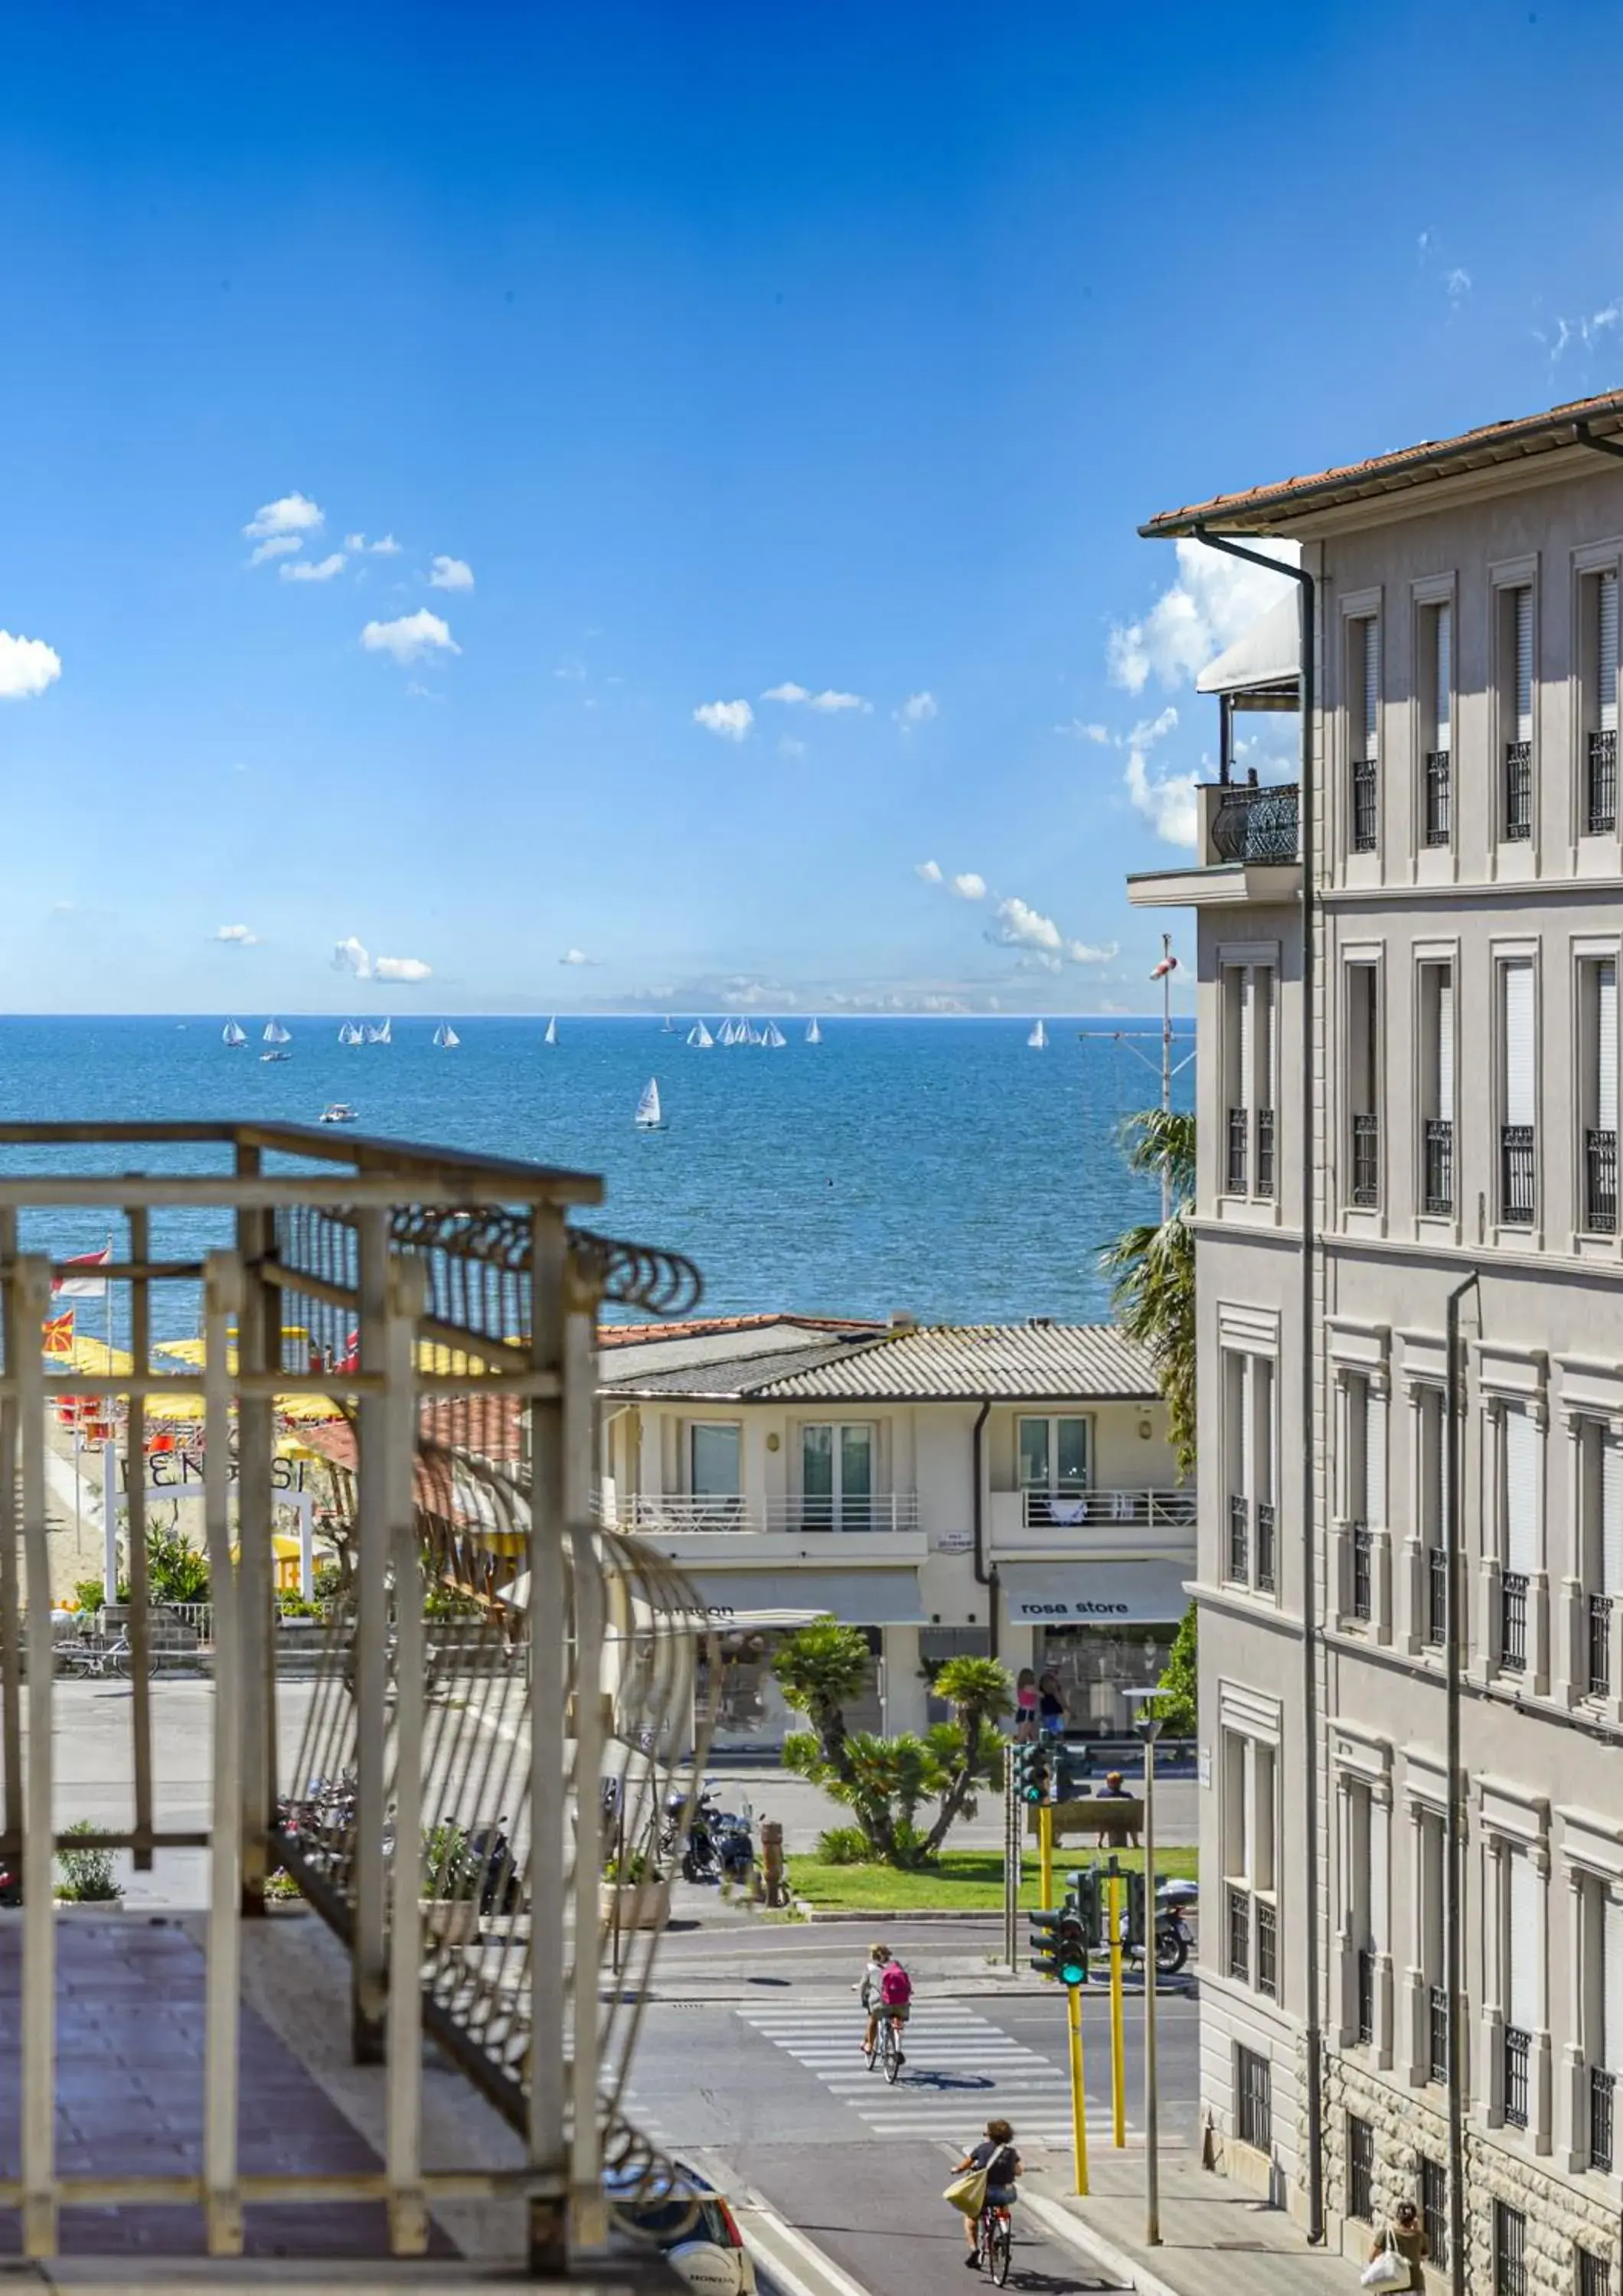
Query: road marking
[791, 2263]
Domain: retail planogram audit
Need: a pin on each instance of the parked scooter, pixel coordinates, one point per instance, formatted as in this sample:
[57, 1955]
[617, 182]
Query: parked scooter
[718, 1845]
[1175, 1940]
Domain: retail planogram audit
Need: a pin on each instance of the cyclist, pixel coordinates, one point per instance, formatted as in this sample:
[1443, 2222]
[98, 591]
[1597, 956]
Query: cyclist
[997, 2155]
[887, 1990]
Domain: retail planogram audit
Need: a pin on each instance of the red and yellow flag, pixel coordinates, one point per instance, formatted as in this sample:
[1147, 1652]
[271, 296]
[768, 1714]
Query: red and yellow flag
[56, 1338]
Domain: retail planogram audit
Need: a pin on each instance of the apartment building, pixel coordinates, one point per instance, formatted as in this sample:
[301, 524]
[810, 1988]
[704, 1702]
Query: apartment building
[950, 1489]
[1464, 890]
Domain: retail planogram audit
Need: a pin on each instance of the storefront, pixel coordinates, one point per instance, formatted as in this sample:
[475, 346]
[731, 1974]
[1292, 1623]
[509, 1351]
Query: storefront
[1102, 1628]
[751, 1714]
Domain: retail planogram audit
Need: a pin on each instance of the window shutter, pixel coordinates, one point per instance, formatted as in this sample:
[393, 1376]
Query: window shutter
[1524, 665]
[1611, 1529]
[1445, 676]
[1263, 996]
[1606, 655]
[1444, 1041]
[1521, 1993]
[1611, 2051]
[1248, 1426]
[1520, 1493]
[1434, 1438]
[1371, 685]
[1248, 991]
[1606, 1044]
[1262, 1375]
[1375, 1455]
[1520, 1098]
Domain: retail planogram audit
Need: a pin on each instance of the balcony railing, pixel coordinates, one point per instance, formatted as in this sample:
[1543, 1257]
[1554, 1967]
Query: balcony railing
[1265, 1547]
[1601, 785]
[1518, 793]
[1366, 1159]
[1517, 2055]
[1438, 1191]
[1257, 825]
[1599, 1614]
[1240, 1540]
[1264, 1151]
[1366, 2004]
[1518, 1183]
[1268, 1950]
[1436, 2032]
[1239, 1936]
[1439, 799]
[1600, 1183]
[1364, 1572]
[1436, 1595]
[1514, 1621]
[1364, 790]
[692, 1515]
[1240, 1127]
[1600, 2086]
[1076, 1508]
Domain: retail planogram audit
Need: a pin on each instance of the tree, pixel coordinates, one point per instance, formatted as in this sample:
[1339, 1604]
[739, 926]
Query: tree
[980, 1693]
[1177, 1706]
[1153, 1267]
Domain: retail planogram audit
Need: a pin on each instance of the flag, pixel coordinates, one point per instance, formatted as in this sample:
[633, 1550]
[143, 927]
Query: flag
[1169, 964]
[56, 1338]
[83, 1287]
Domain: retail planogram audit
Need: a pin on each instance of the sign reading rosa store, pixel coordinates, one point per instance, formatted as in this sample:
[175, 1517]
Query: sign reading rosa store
[1093, 1594]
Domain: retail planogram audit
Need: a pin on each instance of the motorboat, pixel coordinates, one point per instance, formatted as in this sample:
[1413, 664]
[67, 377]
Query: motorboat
[338, 1112]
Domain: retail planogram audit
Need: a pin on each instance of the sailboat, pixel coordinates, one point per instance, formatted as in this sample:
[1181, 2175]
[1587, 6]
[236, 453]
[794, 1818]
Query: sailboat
[751, 1034]
[774, 1036]
[669, 1028]
[699, 1034]
[648, 1117]
[233, 1037]
[446, 1038]
[351, 1034]
[381, 1036]
[551, 1037]
[814, 1034]
[275, 1034]
[1038, 1038]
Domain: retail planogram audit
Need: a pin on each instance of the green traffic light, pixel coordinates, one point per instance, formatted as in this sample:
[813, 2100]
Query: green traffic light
[1074, 1972]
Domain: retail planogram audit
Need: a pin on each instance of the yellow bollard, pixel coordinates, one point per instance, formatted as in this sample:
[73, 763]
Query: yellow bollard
[1079, 2095]
[1118, 2055]
[1045, 1851]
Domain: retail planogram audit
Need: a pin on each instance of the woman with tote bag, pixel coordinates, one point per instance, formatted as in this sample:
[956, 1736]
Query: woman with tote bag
[1397, 2255]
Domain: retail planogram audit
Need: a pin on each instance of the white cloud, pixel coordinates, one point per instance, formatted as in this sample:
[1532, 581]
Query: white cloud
[828, 701]
[916, 709]
[787, 692]
[313, 570]
[351, 955]
[1215, 599]
[1587, 332]
[27, 667]
[1167, 801]
[1020, 926]
[276, 546]
[574, 670]
[410, 637]
[969, 886]
[238, 934]
[1079, 732]
[788, 747]
[450, 573]
[930, 871]
[402, 968]
[386, 546]
[1080, 953]
[415, 693]
[288, 514]
[1456, 285]
[731, 719]
[574, 956]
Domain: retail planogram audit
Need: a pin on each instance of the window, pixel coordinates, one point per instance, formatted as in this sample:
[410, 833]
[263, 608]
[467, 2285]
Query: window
[1248, 1818]
[713, 1459]
[1518, 1138]
[1516, 823]
[1436, 642]
[1431, 1438]
[1523, 1474]
[1248, 1056]
[1437, 1111]
[1598, 1096]
[1364, 685]
[1253, 2092]
[1602, 1927]
[1364, 1081]
[1358, 1818]
[1364, 1488]
[1248, 1437]
[1600, 808]
[1600, 1540]
[837, 1472]
[1434, 2210]
[1521, 1981]
[1510, 2251]
[1594, 2274]
[1431, 1851]
[1360, 2170]
[1055, 1470]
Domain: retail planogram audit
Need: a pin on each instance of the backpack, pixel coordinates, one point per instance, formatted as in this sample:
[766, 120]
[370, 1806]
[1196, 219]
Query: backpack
[895, 1987]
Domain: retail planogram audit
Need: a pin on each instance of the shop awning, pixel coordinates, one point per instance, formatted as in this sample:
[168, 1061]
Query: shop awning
[857, 1598]
[1092, 1593]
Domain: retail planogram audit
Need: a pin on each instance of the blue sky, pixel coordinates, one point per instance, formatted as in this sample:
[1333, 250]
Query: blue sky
[724, 350]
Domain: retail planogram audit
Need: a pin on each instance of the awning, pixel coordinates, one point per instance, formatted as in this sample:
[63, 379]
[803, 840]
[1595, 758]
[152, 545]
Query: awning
[1266, 660]
[857, 1598]
[1098, 1594]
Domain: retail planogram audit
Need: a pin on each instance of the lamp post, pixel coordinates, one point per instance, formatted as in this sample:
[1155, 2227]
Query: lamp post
[1148, 1727]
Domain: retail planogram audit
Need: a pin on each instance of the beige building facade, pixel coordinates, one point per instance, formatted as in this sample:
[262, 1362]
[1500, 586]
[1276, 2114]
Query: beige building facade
[1467, 914]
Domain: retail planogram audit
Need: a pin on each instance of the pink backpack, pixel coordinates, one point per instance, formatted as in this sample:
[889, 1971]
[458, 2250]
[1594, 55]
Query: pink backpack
[895, 1987]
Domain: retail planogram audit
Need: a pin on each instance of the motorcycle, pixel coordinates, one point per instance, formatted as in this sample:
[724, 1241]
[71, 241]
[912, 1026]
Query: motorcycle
[489, 1854]
[1175, 1940]
[718, 1844]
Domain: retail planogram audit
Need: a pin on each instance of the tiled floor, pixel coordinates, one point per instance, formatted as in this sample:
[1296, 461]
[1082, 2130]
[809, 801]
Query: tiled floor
[129, 2098]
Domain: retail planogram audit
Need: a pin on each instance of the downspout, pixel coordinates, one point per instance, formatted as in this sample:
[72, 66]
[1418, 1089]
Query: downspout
[1312, 2032]
[983, 1577]
[1454, 1878]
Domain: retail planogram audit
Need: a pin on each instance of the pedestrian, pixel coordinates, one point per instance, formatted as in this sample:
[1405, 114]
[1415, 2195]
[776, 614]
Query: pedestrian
[1026, 1706]
[1405, 2239]
[1050, 1704]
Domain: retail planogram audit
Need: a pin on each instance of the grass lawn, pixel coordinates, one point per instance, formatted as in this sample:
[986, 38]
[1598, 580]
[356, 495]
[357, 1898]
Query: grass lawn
[970, 1880]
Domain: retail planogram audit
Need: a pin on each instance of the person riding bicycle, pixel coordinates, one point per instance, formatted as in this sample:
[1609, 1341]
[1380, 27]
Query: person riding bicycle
[997, 2155]
[886, 1991]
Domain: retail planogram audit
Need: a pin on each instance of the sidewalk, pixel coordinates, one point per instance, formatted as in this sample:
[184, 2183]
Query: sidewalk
[1215, 2235]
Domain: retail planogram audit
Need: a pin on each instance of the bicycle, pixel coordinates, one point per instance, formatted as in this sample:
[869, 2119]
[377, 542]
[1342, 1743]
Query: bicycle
[995, 2241]
[93, 1661]
[887, 2050]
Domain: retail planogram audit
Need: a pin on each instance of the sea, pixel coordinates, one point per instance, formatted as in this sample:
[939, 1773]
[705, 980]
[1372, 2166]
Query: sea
[940, 1168]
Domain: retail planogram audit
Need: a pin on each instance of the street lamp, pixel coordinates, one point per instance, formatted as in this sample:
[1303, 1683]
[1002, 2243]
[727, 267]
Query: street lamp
[1148, 1727]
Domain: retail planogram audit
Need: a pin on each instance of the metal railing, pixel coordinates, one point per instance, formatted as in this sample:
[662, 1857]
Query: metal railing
[1240, 1540]
[1360, 2168]
[1366, 1158]
[1080, 1508]
[1362, 1587]
[1514, 1621]
[678, 1515]
[1600, 1183]
[1239, 1131]
[1598, 1620]
[1258, 824]
[1510, 2251]
[1265, 1547]
[1267, 1949]
[1518, 793]
[1239, 1936]
[1364, 2005]
[1600, 784]
[1436, 1192]
[1364, 805]
[1264, 1151]
[1436, 2032]
[1600, 2086]
[1517, 2058]
[1438, 798]
[1434, 2209]
[1518, 1174]
[1437, 1596]
[1253, 2101]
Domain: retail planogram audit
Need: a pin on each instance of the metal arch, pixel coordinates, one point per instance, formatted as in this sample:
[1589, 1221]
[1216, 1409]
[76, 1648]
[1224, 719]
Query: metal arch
[636, 1274]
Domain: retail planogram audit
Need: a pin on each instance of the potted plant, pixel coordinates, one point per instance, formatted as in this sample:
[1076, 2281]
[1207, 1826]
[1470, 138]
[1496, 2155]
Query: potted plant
[87, 1877]
[635, 1894]
[450, 1903]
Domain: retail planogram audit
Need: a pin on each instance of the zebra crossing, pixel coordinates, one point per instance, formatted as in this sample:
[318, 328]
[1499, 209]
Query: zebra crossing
[960, 2070]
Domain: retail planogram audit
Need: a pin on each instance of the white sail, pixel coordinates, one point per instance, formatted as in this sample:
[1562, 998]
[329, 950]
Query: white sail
[699, 1034]
[351, 1034]
[275, 1034]
[380, 1033]
[814, 1034]
[669, 1028]
[551, 1037]
[647, 1107]
[234, 1036]
[1038, 1038]
[774, 1036]
[446, 1038]
[752, 1036]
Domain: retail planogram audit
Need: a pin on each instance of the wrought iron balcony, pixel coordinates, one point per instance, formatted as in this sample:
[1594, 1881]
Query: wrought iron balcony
[1517, 2057]
[1600, 784]
[1600, 1183]
[1364, 1572]
[1437, 2030]
[1265, 1547]
[1365, 805]
[1600, 2086]
[1366, 1158]
[1599, 1614]
[1439, 798]
[1240, 1127]
[1514, 1621]
[1264, 1151]
[1257, 824]
[1518, 1174]
[1437, 1190]
[1518, 793]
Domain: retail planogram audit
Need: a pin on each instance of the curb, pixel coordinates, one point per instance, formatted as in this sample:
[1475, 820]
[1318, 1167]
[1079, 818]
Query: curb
[1124, 2272]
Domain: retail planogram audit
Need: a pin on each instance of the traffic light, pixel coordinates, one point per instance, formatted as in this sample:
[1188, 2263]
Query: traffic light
[1032, 1772]
[1071, 1958]
[1084, 1896]
[1045, 1944]
[1073, 1771]
[1135, 1909]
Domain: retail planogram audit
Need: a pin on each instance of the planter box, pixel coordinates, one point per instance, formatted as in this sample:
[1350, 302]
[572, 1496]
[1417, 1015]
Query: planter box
[450, 1921]
[636, 1905]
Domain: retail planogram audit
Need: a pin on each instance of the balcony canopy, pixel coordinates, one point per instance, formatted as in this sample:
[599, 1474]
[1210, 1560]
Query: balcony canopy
[1262, 669]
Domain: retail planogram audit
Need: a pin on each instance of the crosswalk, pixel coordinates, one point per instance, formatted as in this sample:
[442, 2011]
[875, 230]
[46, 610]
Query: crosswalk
[960, 2071]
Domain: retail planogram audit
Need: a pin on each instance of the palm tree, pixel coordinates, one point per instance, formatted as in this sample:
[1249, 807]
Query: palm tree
[1153, 1266]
